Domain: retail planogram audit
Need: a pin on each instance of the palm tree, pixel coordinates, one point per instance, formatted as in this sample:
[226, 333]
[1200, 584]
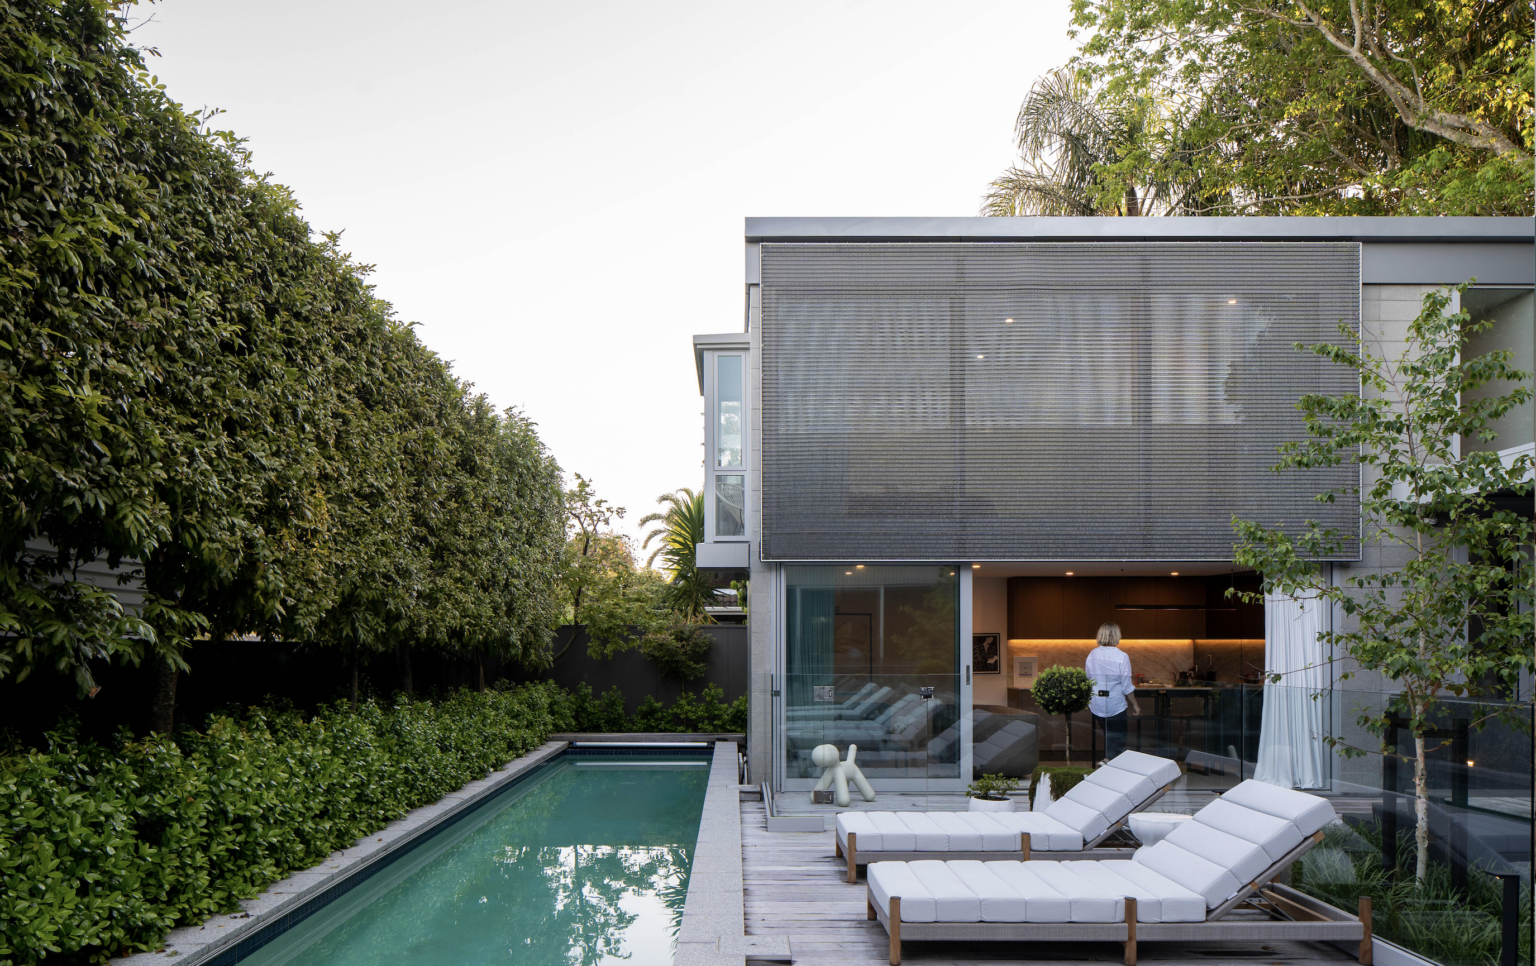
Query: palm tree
[1066, 133]
[689, 591]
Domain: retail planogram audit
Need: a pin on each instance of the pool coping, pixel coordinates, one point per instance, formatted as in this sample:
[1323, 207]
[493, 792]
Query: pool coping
[713, 928]
[199, 943]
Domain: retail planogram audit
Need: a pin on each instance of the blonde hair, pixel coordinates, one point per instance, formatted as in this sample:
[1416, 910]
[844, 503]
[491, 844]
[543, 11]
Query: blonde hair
[1109, 634]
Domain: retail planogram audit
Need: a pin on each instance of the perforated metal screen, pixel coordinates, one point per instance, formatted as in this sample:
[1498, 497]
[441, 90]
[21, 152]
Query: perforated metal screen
[1130, 407]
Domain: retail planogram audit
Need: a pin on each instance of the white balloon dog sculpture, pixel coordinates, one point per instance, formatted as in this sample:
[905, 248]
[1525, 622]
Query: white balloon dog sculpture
[838, 773]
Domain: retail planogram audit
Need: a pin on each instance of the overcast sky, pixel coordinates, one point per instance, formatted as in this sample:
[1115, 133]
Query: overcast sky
[555, 192]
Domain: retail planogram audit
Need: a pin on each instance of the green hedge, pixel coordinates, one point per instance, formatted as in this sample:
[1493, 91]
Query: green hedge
[103, 850]
[707, 714]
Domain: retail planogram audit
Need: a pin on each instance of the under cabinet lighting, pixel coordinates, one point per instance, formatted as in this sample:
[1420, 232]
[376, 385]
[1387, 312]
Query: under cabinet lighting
[975, 566]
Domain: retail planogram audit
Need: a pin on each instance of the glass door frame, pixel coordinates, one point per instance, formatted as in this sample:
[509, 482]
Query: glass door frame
[778, 685]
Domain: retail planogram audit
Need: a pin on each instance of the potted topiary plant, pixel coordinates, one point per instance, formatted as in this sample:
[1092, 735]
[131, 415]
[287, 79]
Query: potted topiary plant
[1064, 691]
[989, 793]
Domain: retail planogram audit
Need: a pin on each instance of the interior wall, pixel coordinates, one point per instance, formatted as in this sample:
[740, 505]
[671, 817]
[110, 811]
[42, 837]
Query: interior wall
[989, 614]
[1513, 315]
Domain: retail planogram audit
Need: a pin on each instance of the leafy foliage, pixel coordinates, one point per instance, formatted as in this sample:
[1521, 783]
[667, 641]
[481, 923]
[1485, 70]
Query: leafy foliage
[679, 653]
[105, 849]
[706, 714]
[1060, 779]
[993, 788]
[689, 590]
[203, 403]
[1321, 106]
[1455, 617]
[1064, 691]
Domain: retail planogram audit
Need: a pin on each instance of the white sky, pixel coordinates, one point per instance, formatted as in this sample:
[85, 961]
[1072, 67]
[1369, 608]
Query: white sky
[555, 192]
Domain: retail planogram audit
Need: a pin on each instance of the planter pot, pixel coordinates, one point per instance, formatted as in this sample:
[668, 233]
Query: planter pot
[987, 805]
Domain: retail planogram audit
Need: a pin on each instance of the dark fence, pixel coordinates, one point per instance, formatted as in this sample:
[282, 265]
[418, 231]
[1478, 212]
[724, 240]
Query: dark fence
[633, 674]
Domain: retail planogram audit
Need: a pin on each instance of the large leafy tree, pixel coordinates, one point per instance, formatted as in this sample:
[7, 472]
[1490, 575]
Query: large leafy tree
[1324, 107]
[1455, 616]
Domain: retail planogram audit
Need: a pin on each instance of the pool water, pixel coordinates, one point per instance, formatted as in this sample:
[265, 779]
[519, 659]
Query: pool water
[584, 862]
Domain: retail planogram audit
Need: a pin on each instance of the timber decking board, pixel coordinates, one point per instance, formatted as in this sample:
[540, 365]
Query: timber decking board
[793, 886]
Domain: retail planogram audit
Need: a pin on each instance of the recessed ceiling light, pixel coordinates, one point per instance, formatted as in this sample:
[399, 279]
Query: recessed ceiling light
[1231, 301]
[1174, 574]
[1007, 321]
[858, 566]
[981, 357]
[975, 566]
[848, 572]
[1069, 573]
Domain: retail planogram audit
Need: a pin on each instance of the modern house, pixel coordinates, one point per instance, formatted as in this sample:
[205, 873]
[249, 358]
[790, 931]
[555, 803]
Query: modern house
[945, 450]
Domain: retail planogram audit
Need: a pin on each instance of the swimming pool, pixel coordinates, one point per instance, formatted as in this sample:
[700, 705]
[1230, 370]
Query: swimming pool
[585, 861]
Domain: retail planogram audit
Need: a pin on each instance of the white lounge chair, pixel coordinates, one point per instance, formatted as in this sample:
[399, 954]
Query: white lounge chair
[1076, 823]
[1185, 888]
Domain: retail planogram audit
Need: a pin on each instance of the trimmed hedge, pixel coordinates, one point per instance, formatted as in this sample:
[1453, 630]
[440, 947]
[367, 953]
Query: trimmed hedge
[103, 850]
[708, 714]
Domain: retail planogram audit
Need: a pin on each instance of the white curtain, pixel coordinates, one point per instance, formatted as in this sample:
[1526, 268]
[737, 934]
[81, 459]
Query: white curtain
[1291, 750]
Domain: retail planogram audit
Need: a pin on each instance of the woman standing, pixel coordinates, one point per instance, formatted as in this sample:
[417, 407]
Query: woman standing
[1110, 670]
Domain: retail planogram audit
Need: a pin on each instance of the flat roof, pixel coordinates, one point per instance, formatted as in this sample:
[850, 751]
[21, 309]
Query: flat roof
[1452, 230]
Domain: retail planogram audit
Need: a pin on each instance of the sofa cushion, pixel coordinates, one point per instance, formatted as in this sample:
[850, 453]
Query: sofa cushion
[952, 900]
[887, 879]
[1202, 876]
[1309, 813]
[1243, 859]
[1041, 902]
[999, 902]
[1274, 835]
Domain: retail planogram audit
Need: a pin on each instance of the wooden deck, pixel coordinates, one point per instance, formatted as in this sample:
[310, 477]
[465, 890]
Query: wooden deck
[794, 887]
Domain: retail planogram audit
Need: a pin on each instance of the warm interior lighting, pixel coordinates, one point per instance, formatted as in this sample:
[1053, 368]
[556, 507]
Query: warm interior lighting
[1170, 607]
[1231, 301]
[848, 572]
[1174, 574]
[981, 357]
[1470, 763]
[975, 566]
[1007, 321]
[858, 566]
[1069, 573]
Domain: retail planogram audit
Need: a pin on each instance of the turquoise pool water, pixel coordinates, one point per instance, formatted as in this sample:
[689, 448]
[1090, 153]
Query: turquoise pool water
[585, 862]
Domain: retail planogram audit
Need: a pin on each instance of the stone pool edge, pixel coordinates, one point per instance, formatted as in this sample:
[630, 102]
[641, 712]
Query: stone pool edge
[190, 945]
[713, 928]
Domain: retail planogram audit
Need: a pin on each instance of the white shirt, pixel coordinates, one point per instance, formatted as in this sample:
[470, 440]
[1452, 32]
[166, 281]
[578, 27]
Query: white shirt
[1110, 670]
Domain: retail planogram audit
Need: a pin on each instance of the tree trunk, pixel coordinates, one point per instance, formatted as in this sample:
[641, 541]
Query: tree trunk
[1068, 719]
[479, 671]
[403, 666]
[162, 700]
[1132, 203]
[1420, 810]
[354, 675]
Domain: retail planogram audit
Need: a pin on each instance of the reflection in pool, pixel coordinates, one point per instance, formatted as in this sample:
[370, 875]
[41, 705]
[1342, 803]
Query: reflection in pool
[584, 863]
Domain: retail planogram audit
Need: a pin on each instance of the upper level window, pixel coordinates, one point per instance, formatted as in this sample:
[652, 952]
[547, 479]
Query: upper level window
[729, 395]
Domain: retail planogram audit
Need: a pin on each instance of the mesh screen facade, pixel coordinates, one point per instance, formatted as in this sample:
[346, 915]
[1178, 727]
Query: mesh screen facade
[1129, 409]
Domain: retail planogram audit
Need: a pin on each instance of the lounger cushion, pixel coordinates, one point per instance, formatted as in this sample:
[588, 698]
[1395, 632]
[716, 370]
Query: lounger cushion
[1158, 771]
[952, 900]
[887, 879]
[878, 831]
[1202, 876]
[1244, 860]
[928, 835]
[1106, 801]
[1041, 902]
[959, 834]
[999, 902]
[1046, 834]
[1175, 903]
[995, 836]
[1090, 903]
[1309, 813]
[1136, 788]
[1088, 821]
[1274, 835]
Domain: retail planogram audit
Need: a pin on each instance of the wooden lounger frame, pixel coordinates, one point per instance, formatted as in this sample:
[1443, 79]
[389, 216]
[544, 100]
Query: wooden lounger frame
[1090, 850]
[1304, 919]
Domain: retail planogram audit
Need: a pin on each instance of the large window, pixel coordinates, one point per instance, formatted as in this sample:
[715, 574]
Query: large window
[730, 398]
[862, 643]
[725, 444]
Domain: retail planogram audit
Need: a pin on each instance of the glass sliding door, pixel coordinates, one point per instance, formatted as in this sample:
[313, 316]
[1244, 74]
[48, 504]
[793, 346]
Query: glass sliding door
[872, 659]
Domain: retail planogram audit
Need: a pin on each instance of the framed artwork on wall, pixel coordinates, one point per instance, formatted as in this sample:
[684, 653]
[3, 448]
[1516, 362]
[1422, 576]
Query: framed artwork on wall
[986, 656]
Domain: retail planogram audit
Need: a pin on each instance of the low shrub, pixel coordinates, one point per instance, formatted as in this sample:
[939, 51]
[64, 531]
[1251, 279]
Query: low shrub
[1063, 779]
[104, 849]
[706, 714]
